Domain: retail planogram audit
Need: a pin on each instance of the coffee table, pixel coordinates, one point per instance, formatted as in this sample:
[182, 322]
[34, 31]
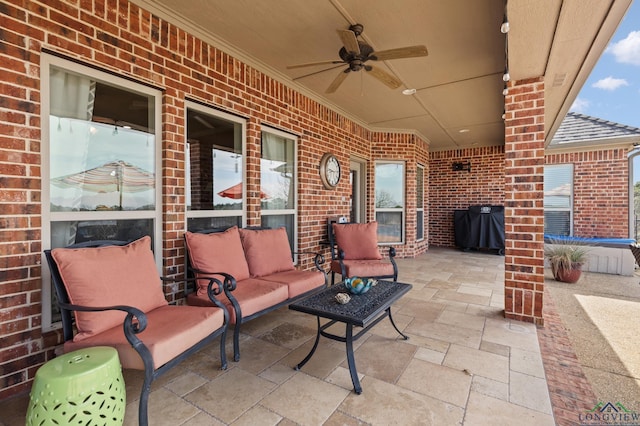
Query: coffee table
[363, 310]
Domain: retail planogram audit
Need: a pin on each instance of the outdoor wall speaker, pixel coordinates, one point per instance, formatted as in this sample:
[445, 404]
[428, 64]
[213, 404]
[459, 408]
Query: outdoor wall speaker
[462, 166]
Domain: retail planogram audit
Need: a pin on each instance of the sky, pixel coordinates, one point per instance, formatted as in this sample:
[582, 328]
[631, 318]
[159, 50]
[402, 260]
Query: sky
[612, 91]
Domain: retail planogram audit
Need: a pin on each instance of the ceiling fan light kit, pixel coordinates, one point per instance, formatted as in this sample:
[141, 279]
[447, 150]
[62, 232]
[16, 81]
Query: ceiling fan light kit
[356, 53]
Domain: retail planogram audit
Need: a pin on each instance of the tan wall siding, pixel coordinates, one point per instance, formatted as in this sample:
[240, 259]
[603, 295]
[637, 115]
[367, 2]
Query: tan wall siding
[119, 37]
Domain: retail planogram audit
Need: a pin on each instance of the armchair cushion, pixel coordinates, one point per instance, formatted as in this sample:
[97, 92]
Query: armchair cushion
[108, 276]
[364, 268]
[170, 331]
[217, 252]
[358, 241]
[277, 256]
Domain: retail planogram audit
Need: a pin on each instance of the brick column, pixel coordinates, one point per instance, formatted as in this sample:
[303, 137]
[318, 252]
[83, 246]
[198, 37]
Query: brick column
[524, 213]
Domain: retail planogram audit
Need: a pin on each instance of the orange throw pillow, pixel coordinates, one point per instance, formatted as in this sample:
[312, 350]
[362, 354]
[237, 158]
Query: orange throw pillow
[109, 276]
[267, 251]
[217, 252]
[359, 241]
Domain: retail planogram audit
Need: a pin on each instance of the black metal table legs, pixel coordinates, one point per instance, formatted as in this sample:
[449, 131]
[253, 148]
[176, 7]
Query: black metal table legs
[348, 339]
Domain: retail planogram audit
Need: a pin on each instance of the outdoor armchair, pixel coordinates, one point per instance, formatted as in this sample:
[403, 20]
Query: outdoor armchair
[355, 253]
[115, 294]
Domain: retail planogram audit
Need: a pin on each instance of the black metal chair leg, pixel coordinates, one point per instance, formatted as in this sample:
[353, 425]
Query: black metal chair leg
[143, 418]
[223, 352]
[236, 342]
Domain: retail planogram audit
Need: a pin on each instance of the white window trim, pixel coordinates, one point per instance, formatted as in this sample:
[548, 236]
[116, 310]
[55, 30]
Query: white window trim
[421, 207]
[193, 214]
[403, 210]
[46, 62]
[571, 204]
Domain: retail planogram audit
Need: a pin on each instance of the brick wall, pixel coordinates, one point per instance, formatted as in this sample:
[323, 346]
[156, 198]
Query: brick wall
[600, 191]
[119, 37]
[457, 190]
[524, 211]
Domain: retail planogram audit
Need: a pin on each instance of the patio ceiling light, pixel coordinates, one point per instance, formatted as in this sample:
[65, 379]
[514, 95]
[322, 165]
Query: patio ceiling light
[504, 28]
[409, 92]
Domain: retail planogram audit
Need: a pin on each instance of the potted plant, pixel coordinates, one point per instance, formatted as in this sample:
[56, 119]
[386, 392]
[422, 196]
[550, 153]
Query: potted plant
[566, 260]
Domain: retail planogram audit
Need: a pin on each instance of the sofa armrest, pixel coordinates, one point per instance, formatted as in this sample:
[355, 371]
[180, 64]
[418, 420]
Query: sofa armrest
[318, 258]
[229, 283]
[214, 289]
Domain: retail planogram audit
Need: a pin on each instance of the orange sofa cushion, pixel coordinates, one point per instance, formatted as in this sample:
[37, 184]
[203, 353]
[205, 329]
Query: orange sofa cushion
[217, 252]
[357, 240]
[108, 276]
[267, 251]
[298, 282]
[170, 331]
[252, 294]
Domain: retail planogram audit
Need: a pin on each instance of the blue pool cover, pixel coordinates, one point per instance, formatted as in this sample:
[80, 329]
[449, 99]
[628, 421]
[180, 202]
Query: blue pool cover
[604, 242]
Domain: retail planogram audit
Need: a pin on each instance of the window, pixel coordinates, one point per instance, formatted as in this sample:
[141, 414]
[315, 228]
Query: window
[278, 182]
[100, 161]
[215, 186]
[558, 200]
[389, 184]
[420, 203]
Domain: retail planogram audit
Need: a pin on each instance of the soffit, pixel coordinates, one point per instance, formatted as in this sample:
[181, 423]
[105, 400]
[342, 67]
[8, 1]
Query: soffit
[459, 84]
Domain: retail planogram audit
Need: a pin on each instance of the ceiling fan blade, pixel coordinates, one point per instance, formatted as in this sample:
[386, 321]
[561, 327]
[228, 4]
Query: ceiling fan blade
[338, 81]
[318, 72]
[349, 41]
[401, 52]
[310, 64]
[384, 77]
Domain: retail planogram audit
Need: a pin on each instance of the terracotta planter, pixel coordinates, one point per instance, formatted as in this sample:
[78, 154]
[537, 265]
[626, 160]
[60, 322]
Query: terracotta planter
[571, 275]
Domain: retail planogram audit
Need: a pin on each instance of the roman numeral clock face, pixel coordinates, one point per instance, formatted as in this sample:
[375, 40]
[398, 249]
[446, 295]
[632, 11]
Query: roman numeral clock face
[329, 171]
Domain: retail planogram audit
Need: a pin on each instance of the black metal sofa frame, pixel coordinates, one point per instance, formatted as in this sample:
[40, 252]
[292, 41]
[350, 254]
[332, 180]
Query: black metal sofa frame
[229, 286]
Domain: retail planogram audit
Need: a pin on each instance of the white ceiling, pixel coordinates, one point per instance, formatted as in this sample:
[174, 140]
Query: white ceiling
[458, 85]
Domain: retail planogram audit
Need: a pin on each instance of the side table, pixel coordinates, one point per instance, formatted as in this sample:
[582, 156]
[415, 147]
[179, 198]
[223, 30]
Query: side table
[81, 387]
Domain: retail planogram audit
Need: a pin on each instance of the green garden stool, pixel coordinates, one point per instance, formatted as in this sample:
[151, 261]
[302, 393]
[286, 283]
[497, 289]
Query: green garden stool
[84, 387]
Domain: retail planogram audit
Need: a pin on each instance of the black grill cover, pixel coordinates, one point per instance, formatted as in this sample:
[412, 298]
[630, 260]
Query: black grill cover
[479, 227]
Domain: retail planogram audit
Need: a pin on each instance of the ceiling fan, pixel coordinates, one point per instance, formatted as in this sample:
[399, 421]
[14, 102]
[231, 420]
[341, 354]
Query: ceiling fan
[355, 53]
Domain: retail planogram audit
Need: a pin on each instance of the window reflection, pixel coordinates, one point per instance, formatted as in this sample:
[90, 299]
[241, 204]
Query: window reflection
[215, 167]
[102, 146]
[278, 183]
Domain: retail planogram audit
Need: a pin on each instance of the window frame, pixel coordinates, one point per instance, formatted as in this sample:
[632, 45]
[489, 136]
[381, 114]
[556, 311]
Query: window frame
[197, 214]
[47, 62]
[570, 169]
[401, 210]
[420, 169]
[294, 210]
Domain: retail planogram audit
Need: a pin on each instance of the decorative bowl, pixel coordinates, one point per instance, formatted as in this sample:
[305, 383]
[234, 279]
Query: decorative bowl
[357, 285]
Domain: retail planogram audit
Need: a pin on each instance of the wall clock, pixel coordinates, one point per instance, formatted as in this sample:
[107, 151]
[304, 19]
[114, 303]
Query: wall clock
[329, 170]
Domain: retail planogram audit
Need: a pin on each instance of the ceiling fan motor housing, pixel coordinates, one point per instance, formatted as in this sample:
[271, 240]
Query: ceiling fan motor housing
[352, 58]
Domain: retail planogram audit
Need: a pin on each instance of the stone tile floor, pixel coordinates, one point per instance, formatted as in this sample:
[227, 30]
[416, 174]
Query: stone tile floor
[463, 364]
